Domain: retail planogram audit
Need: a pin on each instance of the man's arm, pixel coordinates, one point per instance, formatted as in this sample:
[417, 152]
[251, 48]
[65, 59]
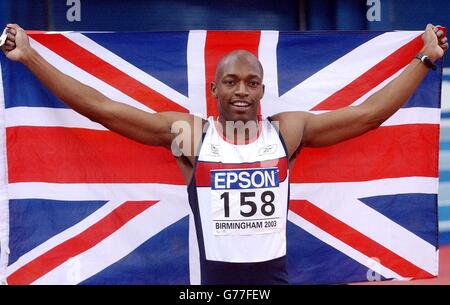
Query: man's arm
[345, 123]
[147, 128]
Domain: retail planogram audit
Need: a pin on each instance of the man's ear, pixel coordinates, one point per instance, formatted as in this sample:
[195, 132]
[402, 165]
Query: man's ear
[264, 90]
[213, 89]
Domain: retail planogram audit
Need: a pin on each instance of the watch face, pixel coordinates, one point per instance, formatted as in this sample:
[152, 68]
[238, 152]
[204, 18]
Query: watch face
[426, 61]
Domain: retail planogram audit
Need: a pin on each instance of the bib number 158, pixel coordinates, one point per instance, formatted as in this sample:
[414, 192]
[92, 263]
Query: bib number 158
[247, 199]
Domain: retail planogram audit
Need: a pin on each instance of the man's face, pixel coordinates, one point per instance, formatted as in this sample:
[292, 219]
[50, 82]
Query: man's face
[238, 89]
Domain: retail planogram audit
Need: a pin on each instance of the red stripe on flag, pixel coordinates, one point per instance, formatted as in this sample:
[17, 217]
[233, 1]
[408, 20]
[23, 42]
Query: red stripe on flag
[356, 240]
[106, 72]
[372, 77]
[76, 155]
[203, 169]
[31, 32]
[79, 243]
[218, 44]
[386, 152]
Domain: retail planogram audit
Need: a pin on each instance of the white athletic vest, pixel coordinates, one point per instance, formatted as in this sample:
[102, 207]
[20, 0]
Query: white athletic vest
[241, 197]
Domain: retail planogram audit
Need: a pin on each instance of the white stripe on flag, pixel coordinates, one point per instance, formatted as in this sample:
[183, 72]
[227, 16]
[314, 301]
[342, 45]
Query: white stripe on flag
[88, 79]
[370, 222]
[128, 68]
[414, 115]
[197, 99]
[94, 191]
[267, 54]
[48, 117]
[4, 208]
[344, 248]
[371, 188]
[194, 253]
[64, 235]
[126, 239]
[324, 83]
[379, 87]
[62, 117]
[196, 72]
[169, 194]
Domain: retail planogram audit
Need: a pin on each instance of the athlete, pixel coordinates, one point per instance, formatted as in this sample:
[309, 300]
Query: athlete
[237, 172]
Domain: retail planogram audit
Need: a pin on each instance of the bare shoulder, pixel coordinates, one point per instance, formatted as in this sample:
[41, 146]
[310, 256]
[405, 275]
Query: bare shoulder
[173, 116]
[291, 117]
[186, 130]
[291, 125]
[291, 120]
[176, 122]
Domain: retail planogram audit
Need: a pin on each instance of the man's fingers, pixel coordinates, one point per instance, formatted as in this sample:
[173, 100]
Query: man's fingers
[7, 48]
[12, 31]
[11, 37]
[444, 40]
[13, 26]
[445, 46]
[10, 43]
[439, 33]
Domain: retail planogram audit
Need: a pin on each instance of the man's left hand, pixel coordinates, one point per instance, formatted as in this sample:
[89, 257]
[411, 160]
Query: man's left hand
[435, 44]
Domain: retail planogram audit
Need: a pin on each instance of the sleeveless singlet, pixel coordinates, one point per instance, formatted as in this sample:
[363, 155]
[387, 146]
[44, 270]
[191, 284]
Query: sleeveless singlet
[239, 198]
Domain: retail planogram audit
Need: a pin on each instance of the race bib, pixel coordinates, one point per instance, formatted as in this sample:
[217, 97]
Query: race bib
[245, 201]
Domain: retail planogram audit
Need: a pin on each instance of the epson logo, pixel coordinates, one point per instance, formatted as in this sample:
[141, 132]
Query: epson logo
[244, 178]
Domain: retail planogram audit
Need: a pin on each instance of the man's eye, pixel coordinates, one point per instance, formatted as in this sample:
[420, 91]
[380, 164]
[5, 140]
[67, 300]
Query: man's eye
[230, 82]
[253, 83]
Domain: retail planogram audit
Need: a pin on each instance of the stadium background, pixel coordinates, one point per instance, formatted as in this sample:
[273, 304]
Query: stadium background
[283, 15]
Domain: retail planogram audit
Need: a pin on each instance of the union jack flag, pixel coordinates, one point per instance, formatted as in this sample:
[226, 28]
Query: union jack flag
[82, 205]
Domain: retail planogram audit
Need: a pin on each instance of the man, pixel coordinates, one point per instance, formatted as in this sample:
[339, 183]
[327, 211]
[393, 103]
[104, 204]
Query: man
[238, 171]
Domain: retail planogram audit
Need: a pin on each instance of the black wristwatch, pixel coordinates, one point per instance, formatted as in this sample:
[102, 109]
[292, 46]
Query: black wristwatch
[426, 60]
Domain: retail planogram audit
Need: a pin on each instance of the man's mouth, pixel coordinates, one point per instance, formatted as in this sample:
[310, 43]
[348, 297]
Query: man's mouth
[241, 104]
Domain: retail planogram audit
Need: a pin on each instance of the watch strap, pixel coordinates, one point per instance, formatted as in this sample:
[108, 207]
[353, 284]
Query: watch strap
[426, 60]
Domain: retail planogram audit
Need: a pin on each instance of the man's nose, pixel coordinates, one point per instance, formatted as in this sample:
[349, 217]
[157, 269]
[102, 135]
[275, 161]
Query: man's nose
[241, 89]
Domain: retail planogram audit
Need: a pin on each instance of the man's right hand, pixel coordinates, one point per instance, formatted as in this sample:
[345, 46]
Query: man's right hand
[17, 45]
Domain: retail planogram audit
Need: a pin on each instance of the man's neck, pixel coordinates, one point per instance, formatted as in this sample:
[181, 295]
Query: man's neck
[239, 132]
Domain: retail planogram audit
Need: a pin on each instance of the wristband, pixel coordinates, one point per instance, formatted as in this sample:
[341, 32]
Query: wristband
[426, 60]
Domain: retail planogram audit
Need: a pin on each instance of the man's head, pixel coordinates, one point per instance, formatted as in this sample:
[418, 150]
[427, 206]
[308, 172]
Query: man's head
[238, 86]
